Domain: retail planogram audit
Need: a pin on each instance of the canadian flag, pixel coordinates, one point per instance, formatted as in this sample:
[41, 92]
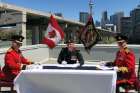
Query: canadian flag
[54, 34]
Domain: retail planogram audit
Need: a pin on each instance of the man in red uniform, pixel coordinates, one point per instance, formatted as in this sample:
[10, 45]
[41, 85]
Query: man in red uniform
[125, 61]
[14, 60]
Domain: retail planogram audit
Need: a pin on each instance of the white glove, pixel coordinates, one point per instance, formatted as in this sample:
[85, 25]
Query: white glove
[29, 67]
[115, 68]
[64, 62]
[76, 65]
[34, 66]
[102, 63]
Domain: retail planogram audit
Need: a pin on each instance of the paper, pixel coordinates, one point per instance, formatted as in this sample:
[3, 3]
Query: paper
[104, 67]
[33, 66]
[68, 65]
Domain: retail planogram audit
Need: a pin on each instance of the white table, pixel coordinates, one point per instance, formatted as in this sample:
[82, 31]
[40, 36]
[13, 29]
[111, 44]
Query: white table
[66, 81]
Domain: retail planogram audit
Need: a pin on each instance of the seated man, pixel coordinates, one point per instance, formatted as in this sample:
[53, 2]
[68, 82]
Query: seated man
[14, 60]
[125, 61]
[70, 54]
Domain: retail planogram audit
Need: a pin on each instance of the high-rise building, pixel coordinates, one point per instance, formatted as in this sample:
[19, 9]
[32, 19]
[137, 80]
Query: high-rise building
[115, 19]
[84, 17]
[126, 26]
[97, 24]
[135, 14]
[104, 19]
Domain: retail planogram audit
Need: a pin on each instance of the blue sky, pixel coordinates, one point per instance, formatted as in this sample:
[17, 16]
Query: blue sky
[71, 8]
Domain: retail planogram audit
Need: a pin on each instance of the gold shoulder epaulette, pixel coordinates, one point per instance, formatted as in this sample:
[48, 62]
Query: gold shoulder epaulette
[9, 50]
[127, 50]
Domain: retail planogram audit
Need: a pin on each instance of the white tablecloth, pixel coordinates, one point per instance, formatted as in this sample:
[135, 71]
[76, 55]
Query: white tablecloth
[66, 81]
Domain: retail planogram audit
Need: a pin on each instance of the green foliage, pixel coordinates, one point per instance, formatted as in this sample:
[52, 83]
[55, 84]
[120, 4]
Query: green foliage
[108, 40]
[29, 34]
[6, 34]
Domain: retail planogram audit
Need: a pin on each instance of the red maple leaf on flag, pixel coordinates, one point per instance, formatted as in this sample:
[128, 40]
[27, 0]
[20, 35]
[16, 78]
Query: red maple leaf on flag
[54, 34]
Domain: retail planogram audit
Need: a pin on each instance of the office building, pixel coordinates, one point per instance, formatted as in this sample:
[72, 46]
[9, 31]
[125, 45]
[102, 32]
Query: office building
[135, 14]
[97, 23]
[104, 19]
[83, 17]
[126, 26]
[115, 19]
[110, 27]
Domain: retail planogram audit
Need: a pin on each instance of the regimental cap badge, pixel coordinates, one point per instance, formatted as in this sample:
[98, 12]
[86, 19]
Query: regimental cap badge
[119, 37]
[70, 41]
[17, 38]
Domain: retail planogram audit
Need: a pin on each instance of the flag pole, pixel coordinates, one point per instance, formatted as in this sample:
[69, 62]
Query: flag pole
[90, 7]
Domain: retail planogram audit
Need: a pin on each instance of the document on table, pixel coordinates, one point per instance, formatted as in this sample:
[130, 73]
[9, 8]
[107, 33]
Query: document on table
[104, 67]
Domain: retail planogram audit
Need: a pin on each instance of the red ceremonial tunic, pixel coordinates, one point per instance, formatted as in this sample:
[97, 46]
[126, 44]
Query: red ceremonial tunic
[126, 59]
[13, 62]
